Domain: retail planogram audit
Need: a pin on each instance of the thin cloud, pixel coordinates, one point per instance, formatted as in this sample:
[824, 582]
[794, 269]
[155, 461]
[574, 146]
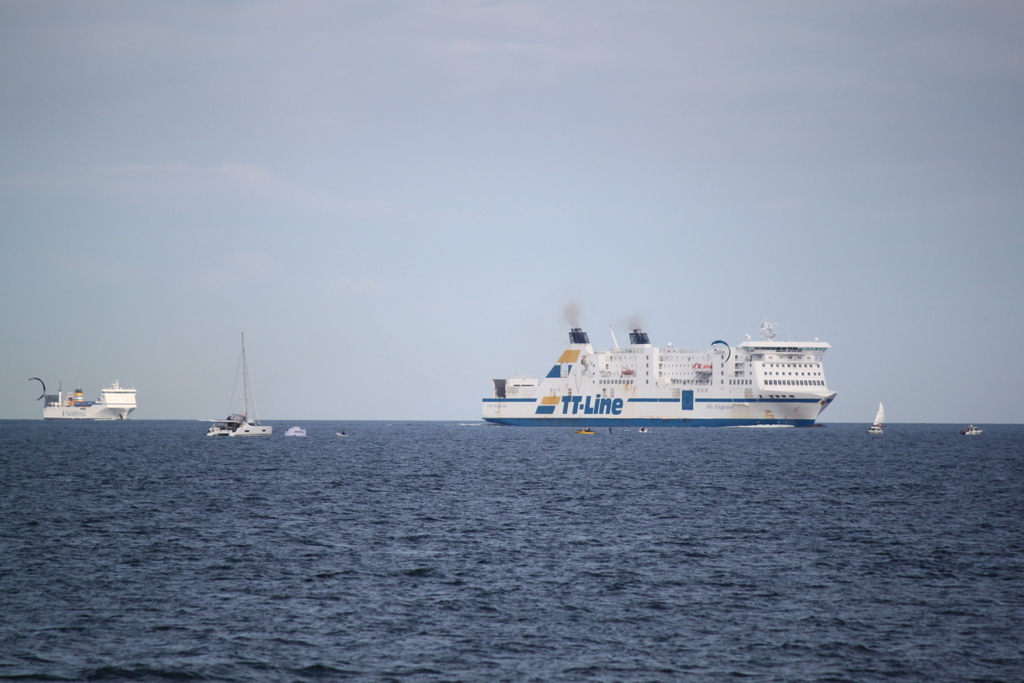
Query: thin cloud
[241, 268]
[185, 185]
[347, 287]
[786, 204]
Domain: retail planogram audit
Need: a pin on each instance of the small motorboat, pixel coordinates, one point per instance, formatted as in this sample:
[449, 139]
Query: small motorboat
[586, 430]
[295, 431]
[643, 430]
[970, 431]
[341, 433]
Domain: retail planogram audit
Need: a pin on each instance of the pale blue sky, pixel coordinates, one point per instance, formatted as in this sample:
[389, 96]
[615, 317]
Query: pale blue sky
[396, 200]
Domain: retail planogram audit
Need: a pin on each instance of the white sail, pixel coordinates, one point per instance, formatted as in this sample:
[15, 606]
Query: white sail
[880, 415]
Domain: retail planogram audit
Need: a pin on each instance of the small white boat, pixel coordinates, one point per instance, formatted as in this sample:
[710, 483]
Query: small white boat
[341, 433]
[643, 430]
[238, 424]
[876, 426]
[295, 431]
[970, 431]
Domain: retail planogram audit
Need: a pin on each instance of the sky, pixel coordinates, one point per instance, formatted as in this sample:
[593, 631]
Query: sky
[396, 201]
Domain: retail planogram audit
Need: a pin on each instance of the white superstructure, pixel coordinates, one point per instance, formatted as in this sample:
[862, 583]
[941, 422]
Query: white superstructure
[115, 403]
[764, 382]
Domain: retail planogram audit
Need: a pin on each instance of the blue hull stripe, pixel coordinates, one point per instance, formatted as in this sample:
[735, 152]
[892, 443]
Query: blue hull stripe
[639, 422]
[510, 400]
[758, 400]
[676, 400]
[726, 400]
[653, 400]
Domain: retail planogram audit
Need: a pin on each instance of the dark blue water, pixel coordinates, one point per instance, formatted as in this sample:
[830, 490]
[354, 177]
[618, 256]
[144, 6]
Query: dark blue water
[146, 551]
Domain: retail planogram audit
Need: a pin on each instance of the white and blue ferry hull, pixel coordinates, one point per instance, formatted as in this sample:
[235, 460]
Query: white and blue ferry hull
[757, 383]
[793, 412]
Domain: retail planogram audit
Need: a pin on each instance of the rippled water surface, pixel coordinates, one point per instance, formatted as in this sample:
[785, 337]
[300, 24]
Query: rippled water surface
[144, 550]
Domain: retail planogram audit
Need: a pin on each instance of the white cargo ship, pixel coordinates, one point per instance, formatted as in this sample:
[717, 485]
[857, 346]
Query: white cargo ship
[758, 383]
[115, 403]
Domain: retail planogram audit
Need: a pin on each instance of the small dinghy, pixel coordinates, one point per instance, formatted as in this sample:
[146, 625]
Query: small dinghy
[295, 431]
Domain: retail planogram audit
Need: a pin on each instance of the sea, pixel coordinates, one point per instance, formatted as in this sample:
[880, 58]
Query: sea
[445, 551]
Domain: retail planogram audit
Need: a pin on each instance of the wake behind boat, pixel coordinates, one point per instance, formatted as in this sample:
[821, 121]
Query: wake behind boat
[238, 424]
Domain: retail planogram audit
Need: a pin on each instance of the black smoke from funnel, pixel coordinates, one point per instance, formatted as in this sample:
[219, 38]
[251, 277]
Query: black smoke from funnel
[571, 312]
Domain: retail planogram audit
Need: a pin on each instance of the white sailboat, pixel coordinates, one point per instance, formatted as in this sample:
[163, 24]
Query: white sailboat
[876, 427]
[238, 424]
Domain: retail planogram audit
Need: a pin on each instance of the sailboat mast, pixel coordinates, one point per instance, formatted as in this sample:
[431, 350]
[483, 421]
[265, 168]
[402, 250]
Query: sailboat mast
[245, 382]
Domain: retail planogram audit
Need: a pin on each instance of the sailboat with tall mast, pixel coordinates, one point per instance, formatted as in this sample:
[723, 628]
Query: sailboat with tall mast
[876, 426]
[238, 424]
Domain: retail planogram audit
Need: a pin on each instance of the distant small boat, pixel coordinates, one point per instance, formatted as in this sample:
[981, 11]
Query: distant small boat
[341, 433]
[295, 431]
[970, 431]
[876, 427]
[643, 430]
[586, 430]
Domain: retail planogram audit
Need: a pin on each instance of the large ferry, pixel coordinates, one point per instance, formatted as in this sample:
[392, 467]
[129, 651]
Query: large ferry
[115, 403]
[758, 383]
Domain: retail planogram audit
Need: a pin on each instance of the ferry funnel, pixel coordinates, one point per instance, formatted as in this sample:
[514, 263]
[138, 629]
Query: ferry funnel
[578, 336]
[637, 336]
